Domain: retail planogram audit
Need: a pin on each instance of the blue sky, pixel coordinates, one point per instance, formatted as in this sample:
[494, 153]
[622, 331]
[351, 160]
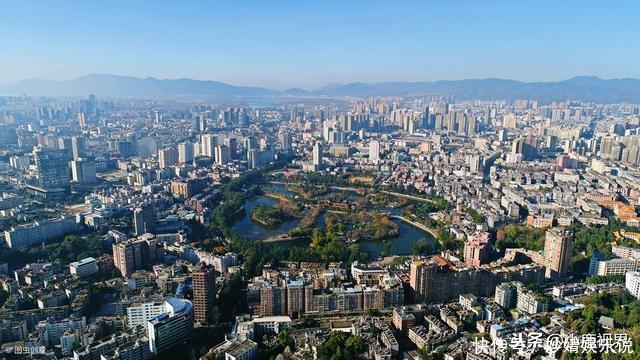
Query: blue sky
[309, 44]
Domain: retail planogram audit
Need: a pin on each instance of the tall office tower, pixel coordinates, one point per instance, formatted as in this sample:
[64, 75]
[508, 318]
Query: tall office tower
[250, 143]
[527, 146]
[426, 119]
[83, 171]
[126, 148]
[77, 147]
[223, 155]
[472, 125]
[168, 330]
[475, 163]
[204, 290]
[144, 220]
[503, 135]
[438, 122]
[450, 121]
[185, 152]
[146, 147]
[50, 141]
[606, 146]
[64, 143]
[558, 245]
[233, 147]
[616, 151]
[208, 144]
[374, 151]
[167, 157]
[317, 156]
[52, 168]
[509, 121]
[412, 126]
[253, 158]
[82, 120]
[463, 124]
[8, 135]
[235, 116]
[285, 139]
[632, 155]
[157, 113]
[202, 124]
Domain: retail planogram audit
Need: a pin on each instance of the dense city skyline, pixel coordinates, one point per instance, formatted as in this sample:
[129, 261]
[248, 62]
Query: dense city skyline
[311, 45]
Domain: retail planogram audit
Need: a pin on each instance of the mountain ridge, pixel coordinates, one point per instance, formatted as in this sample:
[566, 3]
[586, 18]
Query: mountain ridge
[586, 88]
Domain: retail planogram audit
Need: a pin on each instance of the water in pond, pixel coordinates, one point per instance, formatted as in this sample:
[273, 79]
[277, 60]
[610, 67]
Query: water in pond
[400, 245]
[249, 229]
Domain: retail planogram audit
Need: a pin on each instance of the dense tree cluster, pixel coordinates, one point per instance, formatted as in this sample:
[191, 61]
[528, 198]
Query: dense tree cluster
[342, 346]
[71, 249]
[520, 236]
[268, 216]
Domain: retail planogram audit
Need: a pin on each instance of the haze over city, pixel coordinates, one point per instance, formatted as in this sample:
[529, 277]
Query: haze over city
[313, 44]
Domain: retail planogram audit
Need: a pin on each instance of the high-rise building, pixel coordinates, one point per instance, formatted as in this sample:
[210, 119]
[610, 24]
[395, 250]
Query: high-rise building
[167, 157]
[437, 279]
[204, 291]
[317, 156]
[136, 254]
[273, 300]
[510, 121]
[83, 171]
[232, 143]
[129, 257]
[558, 245]
[144, 220]
[476, 249]
[223, 155]
[374, 151]
[20, 162]
[527, 146]
[185, 152]
[52, 168]
[82, 120]
[77, 147]
[295, 297]
[8, 135]
[208, 144]
[202, 124]
[172, 328]
[146, 147]
[285, 139]
[250, 143]
[64, 143]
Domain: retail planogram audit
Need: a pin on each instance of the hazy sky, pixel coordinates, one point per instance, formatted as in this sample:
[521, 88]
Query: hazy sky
[313, 43]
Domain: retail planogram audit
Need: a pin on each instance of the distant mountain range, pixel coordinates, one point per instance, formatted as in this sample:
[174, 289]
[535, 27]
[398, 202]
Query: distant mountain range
[587, 88]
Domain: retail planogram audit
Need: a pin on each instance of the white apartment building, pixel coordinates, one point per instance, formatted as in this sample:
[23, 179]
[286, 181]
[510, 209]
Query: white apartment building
[85, 267]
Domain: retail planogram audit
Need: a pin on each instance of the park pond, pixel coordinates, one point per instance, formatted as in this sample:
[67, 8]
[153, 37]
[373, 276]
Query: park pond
[400, 245]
